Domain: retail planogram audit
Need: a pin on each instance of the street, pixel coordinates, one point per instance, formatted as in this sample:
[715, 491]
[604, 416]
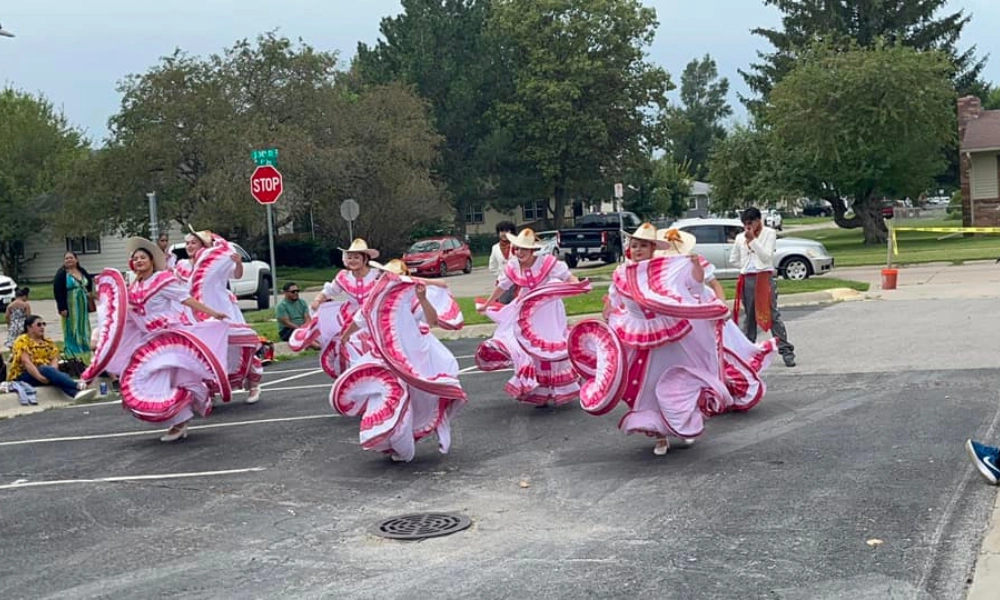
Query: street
[849, 480]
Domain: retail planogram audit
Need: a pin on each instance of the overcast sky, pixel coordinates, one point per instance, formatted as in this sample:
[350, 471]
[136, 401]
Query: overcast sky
[74, 51]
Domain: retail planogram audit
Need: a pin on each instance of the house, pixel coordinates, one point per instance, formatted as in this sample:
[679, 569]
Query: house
[699, 200]
[44, 254]
[481, 219]
[979, 148]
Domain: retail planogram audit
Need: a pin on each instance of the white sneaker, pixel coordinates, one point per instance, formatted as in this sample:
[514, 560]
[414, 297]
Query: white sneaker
[254, 396]
[84, 395]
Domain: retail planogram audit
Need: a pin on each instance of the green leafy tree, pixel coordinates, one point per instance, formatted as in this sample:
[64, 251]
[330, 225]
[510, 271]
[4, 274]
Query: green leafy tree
[582, 92]
[739, 170]
[38, 149]
[670, 187]
[863, 124]
[187, 126]
[695, 126]
[442, 48]
[991, 99]
[916, 24]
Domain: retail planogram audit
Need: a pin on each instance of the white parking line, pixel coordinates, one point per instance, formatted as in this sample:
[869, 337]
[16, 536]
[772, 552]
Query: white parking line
[150, 432]
[289, 371]
[299, 376]
[26, 484]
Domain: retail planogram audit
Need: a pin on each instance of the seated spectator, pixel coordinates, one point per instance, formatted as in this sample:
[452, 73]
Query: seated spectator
[292, 311]
[35, 361]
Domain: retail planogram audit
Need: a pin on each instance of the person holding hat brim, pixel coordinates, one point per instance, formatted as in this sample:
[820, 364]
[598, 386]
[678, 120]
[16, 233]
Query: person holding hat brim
[333, 309]
[213, 263]
[531, 330]
[657, 351]
[158, 303]
[416, 374]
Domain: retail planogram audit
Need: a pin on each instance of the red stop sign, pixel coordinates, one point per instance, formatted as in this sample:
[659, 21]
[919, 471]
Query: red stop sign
[266, 184]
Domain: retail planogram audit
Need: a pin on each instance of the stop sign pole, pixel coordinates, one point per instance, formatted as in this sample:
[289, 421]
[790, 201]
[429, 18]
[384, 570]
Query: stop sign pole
[266, 186]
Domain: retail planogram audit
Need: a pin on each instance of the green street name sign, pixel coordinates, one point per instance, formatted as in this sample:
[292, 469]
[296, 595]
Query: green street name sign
[268, 156]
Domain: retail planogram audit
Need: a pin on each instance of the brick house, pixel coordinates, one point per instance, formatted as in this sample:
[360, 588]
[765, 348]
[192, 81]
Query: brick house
[979, 156]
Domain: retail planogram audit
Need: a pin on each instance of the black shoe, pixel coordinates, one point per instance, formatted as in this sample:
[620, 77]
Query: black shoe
[789, 359]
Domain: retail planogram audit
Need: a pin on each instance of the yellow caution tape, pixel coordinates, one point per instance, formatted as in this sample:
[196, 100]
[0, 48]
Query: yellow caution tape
[893, 230]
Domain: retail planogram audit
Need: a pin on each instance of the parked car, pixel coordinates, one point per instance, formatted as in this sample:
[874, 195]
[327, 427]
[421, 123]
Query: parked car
[255, 283]
[772, 219]
[551, 241]
[7, 288]
[817, 208]
[596, 237]
[438, 256]
[795, 258]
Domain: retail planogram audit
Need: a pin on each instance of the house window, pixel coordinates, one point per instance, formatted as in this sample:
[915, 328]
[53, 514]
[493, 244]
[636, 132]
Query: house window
[692, 202]
[535, 211]
[474, 213]
[84, 245]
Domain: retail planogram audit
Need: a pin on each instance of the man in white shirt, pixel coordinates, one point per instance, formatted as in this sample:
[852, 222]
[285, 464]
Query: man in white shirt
[500, 254]
[757, 290]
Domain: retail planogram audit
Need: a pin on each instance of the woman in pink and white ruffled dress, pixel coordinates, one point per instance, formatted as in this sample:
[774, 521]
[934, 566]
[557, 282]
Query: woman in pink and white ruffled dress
[661, 350]
[334, 308]
[167, 362]
[213, 262]
[531, 331]
[405, 387]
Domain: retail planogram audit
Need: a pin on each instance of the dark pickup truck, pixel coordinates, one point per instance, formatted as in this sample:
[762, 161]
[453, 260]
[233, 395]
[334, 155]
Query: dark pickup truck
[595, 237]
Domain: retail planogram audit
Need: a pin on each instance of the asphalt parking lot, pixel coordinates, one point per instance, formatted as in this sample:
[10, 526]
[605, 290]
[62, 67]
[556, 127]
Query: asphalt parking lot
[847, 481]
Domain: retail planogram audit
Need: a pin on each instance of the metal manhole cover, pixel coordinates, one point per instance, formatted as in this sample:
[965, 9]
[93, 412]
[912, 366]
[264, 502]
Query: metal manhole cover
[421, 526]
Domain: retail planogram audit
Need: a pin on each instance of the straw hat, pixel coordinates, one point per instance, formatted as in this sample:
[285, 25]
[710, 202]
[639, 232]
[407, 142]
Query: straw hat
[361, 246]
[204, 236]
[395, 266]
[677, 242]
[525, 239]
[140, 243]
[648, 233]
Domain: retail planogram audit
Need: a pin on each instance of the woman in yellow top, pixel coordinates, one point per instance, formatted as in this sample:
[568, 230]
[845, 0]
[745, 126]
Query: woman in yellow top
[35, 361]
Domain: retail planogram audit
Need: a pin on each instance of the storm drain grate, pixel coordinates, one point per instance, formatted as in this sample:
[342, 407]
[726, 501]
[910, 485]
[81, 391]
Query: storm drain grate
[421, 526]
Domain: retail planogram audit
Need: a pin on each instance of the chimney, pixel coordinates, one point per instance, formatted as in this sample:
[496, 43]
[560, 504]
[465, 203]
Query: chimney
[969, 109]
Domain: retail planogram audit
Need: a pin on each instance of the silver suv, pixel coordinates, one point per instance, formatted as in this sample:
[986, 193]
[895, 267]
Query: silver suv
[795, 258]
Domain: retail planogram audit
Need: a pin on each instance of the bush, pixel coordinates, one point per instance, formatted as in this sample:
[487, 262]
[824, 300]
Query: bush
[481, 243]
[294, 251]
[955, 206]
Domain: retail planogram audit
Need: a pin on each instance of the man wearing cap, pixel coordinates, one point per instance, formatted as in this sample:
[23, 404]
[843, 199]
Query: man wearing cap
[756, 289]
[291, 312]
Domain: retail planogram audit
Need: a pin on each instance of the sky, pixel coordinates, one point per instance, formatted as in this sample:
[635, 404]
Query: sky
[76, 52]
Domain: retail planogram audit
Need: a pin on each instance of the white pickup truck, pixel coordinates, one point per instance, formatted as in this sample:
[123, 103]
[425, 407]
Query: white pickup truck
[255, 283]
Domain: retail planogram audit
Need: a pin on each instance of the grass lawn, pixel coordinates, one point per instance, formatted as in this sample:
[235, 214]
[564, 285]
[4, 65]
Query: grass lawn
[805, 220]
[594, 301]
[848, 249]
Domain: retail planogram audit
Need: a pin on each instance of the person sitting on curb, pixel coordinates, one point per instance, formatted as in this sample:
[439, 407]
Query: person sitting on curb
[985, 458]
[35, 361]
[292, 311]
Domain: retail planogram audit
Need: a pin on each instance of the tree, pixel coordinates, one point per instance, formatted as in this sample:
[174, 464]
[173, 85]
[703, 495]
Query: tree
[671, 187]
[991, 99]
[695, 126]
[441, 47]
[582, 92]
[741, 170]
[862, 124]
[38, 148]
[187, 126]
[911, 23]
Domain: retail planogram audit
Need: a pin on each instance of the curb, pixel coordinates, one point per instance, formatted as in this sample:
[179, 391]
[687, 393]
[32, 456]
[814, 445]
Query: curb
[986, 577]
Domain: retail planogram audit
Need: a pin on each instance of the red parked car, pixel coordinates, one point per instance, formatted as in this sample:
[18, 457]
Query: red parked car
[438, 256]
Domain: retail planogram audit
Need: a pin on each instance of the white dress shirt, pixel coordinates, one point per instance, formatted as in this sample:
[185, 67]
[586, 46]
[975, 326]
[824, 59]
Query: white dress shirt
[497, 260]
[756, 256]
